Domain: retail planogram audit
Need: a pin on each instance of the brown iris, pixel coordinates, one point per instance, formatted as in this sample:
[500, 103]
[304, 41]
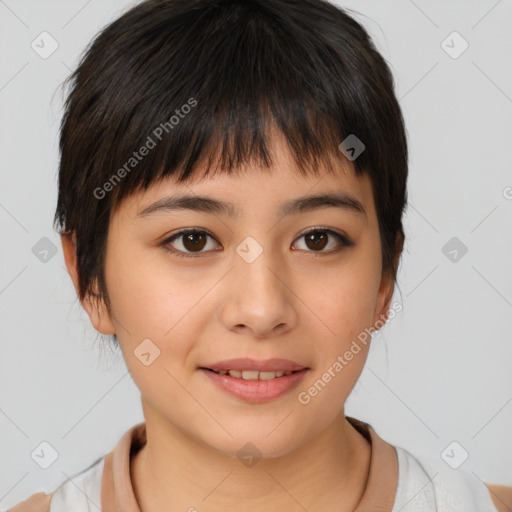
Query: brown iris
[194, 241]
[318, 239]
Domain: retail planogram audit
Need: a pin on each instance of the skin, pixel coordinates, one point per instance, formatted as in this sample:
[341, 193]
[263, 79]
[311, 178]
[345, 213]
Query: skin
[295, 304]
[501, 496]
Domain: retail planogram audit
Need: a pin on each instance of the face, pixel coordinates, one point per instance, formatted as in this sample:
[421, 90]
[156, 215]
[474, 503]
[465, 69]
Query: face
[255, 285]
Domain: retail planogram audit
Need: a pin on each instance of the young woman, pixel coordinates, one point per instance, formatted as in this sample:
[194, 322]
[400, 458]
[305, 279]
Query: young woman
[231, 189]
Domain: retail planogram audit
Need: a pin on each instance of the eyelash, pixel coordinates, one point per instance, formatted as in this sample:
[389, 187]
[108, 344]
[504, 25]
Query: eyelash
[344, 241]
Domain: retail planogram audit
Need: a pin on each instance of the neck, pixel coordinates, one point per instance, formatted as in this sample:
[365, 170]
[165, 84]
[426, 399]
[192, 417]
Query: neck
[175, 472]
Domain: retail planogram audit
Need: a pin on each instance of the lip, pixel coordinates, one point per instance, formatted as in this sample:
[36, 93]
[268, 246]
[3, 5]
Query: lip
[255, 391]
[262, 365]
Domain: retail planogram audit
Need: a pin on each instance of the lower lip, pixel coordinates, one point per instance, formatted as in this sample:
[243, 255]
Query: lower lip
[256, 390]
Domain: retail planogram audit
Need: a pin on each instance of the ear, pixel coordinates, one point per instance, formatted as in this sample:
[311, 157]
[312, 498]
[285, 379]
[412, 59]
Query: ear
[387, 285]
[384, 296]
[94, 306]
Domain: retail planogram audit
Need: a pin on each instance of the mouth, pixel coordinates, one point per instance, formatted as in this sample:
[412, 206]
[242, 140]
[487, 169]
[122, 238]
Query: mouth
[252, 369]
[254, 386]
[254, 374]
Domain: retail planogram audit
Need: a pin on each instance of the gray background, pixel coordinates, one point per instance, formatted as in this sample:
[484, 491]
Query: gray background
[438, 372]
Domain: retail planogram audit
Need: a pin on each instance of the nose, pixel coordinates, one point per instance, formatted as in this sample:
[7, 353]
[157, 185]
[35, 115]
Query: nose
[259, 298]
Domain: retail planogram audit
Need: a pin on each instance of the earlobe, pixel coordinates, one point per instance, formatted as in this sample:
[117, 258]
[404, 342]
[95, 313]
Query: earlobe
[95, 307]
[98, 315]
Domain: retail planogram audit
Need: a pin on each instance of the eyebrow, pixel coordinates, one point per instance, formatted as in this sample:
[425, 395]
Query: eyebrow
[214, 206]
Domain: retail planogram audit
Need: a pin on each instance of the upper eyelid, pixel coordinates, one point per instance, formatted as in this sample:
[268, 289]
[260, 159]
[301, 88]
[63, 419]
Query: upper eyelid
[188, 231]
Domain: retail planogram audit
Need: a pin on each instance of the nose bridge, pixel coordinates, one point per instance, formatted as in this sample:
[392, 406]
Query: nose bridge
[254, 270]
[258, 298]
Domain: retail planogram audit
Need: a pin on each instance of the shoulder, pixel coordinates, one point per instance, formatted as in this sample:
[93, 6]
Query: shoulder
[39, 502]
[452, 489]
[501, 496]
[74, 493]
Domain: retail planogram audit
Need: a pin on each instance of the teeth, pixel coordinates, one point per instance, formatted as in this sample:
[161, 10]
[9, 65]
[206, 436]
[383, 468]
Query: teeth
[250, 375]
[253, 374]
[266, 375]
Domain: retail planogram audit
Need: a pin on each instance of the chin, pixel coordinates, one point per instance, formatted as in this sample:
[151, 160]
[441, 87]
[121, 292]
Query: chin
[255, 444]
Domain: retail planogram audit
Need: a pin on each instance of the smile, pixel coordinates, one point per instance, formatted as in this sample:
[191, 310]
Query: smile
[254, 386]
[252, 374]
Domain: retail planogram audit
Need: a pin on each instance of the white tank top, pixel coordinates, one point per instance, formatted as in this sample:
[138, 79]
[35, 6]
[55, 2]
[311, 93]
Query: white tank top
[433, 486]
[82, 493]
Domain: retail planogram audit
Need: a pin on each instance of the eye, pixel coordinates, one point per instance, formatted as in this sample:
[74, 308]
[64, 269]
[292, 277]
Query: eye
[317, 239]
[189, 240]
[193, 241]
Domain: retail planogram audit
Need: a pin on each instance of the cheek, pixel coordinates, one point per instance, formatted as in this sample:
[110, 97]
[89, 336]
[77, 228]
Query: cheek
[346, 306]
[343, 349]
[348, 299]
[153, 300]
[140, 300]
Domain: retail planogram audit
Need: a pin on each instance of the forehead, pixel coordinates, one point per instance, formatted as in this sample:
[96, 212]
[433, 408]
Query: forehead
[277, 188]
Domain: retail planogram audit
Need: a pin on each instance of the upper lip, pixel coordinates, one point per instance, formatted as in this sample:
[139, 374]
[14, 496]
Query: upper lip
[263, 365]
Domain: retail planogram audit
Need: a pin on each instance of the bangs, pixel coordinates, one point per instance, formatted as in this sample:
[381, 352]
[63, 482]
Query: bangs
[211, 90]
